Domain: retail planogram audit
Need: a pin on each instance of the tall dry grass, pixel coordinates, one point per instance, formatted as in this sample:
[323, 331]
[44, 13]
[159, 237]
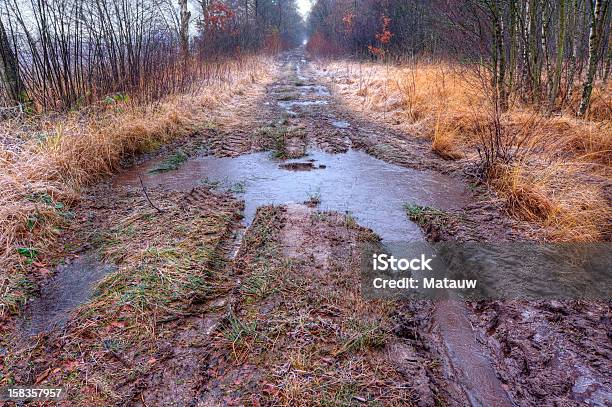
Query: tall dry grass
[45, 161]
[559, 174]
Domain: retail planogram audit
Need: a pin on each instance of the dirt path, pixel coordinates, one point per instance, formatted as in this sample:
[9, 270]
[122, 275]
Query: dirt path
[235, 277]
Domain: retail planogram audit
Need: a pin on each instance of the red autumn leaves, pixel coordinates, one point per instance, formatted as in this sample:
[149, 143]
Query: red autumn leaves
[383, 38]
[218, 16]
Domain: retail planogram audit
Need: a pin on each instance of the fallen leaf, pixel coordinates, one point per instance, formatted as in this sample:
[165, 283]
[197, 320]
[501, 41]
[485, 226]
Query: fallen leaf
[42, 376]
[151, 361]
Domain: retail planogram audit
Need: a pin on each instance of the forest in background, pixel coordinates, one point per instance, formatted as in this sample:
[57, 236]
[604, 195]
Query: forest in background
[519, 89]
[63, 54]
[536, 51]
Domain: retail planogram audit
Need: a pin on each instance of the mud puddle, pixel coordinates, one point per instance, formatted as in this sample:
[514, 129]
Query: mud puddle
[70, 287]
[341, 124]
[317, 90]
[466, 362]
[288, 104]
[366, 189]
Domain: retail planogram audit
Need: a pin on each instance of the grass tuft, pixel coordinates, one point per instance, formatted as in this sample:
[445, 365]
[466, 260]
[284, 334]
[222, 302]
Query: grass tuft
[171, 163]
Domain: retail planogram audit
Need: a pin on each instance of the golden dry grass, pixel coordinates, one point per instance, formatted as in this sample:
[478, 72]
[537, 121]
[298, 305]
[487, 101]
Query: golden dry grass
[559, 181]
[45, 161]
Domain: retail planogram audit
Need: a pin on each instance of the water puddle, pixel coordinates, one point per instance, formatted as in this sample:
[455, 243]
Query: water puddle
[288, 104]
[370, 190]
[298, 71]
[341, 124]
[70, 287]
[318, 90]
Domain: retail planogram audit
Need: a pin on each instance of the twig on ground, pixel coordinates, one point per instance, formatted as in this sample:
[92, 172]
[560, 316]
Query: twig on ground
[147, 195]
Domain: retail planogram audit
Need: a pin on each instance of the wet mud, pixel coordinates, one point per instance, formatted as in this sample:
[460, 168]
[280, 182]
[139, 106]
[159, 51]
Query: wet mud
[71, 285]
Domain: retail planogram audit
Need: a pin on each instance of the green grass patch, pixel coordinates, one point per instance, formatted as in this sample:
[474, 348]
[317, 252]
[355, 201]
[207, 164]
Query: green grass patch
[171, 163]
[422, 214]
[30, 253]
[362, 336]
[237, 331]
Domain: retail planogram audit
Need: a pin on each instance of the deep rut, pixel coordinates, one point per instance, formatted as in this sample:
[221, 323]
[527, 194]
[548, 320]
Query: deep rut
[466, 364]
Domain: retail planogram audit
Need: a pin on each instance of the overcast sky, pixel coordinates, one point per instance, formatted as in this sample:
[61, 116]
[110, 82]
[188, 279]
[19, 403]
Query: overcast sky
[304, 6]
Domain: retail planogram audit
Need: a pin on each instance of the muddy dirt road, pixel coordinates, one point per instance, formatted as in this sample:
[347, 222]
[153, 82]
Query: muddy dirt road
[224, 270]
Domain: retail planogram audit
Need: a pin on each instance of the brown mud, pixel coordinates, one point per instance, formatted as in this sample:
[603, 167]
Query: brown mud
[206, 308]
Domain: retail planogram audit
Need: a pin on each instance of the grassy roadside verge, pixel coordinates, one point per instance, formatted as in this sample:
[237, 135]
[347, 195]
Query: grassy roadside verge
[46, 161]
[560, 176]
[163, 280]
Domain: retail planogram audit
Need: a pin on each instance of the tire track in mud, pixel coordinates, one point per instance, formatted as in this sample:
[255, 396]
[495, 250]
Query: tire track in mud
[467, 367]
[466, 361]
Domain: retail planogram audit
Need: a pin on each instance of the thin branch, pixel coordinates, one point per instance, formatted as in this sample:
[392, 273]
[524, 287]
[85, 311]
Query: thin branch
[147, 195]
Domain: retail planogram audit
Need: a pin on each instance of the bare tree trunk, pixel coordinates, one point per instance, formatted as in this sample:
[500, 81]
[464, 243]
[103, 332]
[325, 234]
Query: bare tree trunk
[525, 57]
[185, 15]
[514, 45]
[9, 70]
[500, 59]
[594, 39]
[204, 7]
[544, 47]
[608, 59]
[533, 50]
[559, 59]
[574, 44]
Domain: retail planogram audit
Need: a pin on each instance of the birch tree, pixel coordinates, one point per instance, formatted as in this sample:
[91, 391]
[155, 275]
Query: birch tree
[185, 16]
[595, 33]
[560, 53]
